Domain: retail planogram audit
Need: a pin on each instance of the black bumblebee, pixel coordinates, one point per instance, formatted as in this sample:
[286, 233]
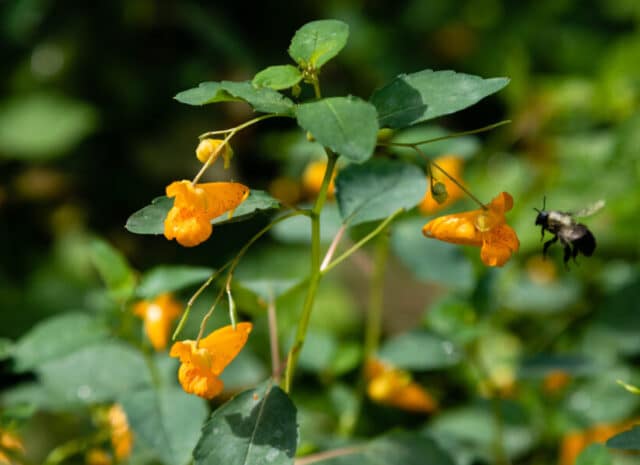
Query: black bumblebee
[575, 237]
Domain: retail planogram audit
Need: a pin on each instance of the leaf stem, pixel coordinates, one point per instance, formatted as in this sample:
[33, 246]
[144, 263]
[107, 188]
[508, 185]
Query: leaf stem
[448, 136]
[376, 295]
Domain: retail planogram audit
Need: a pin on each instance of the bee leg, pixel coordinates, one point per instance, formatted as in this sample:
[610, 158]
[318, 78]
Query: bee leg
[574, 254]
[567, 256]
[548, 244]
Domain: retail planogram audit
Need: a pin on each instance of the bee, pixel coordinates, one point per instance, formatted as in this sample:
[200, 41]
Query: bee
[575, 237]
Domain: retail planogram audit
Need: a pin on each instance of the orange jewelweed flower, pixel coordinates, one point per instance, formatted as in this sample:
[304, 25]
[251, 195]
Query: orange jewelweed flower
[575, 442]
[208, 148]
[121, 435]
[313, 176]
[189, 221]
[202, 364]
[97, 456]
[158, 315]
[391, 386]
[486, 229]
[10, 446]
[452, 164]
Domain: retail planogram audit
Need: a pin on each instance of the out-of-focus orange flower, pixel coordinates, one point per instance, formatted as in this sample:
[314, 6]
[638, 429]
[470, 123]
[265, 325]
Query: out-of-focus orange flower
[202, 364]
[158, 315]
[286, 190]
[189, 221]
[481, 228]
[313, 176]
[452, 164]
[555, 381]
[97, 456]
[10, 446]
[541, 271]
[121, 435]
[391, 386]
[576, 441]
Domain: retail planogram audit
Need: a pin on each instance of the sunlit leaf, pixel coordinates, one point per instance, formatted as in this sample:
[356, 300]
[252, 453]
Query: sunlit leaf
[56, 337]
[113, 268]
[628, 440]
[377, 188]
[256, 202]
[96, 373]
[170, 278]
[419, 350]
[317, 42]
[277, 77]
[256, 427]
[43, 126]
[168, 420]
[412, 98]
[347, 125]
[263, 100]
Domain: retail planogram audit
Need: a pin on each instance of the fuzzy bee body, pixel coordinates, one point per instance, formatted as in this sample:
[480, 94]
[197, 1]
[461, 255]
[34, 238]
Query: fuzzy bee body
[575, 237]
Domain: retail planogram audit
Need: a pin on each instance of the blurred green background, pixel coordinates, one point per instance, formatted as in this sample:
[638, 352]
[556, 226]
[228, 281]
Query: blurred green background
[89, 133]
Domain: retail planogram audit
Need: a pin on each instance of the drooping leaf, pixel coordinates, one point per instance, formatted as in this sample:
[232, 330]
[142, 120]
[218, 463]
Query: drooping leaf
[317, 42]
[594, 454]
[429, 260]
[43, 126]
[398, 448]
[170, 278]
[150, 219]
[377, 188]
[627, 440]
[420, 350]
[412, 98]
[256, 202]
[347, 125]
[113, 268]
[277, 77]
[168, 420]
[56, 337]
[256, 427]
[97, 373]
[263, 100]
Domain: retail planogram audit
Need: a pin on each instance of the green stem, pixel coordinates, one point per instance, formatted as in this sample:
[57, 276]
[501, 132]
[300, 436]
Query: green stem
[362, 241]
[233, 263]
[376, 296]
[455, 181]
[316, 273]
[449, 136]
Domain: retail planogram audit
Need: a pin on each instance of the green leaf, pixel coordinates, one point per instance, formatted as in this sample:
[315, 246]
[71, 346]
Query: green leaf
[412, 98]
[628, 440]
[150, 219]
[595, 454]
[113, 268]
[297, 229]
[256, 202]
[168, 420]
[277, 77]
[431, 260]
[257, 427]
[317, 42]
[43, 126]
[347, 125]
[420, 350]
[541, 365]
[398, 448]
[170, 278]
[6, 348]
[56, 337]
[263, 100]
[96, 373]
[377, 188]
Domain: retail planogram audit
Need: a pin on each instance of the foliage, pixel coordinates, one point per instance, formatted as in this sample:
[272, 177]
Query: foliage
[527, 363]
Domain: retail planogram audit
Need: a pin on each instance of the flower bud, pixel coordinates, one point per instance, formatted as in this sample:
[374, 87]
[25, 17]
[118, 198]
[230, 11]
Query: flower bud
[208, 148]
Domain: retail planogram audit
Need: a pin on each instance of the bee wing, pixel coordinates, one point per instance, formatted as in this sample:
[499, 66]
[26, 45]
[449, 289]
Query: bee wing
[590, 210]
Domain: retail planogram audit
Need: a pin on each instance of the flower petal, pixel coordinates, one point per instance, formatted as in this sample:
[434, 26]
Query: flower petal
[222, 196]
[503, 202]
[498, 245]
[198, 381]
[187, 226]
[225, 343]
[457, 228]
